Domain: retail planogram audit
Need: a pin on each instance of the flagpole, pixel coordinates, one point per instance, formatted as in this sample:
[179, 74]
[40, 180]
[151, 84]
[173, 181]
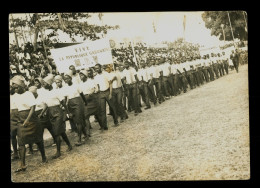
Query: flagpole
[231, 29]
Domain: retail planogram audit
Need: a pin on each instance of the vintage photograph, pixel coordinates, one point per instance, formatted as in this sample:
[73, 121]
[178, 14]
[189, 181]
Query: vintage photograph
[129, 96]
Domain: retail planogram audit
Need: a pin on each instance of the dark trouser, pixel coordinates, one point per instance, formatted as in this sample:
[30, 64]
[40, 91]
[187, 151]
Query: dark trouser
[124, 94]
[211, 73]
[103, 98]
[236, 65]
[176, 82]
[117, 95]
[168, 85]
[144, 93]
[73, 125]
[182, 82]
[196, 77]
[172, 83]
[158, 86]
[205, 73]
[222, 68]
[151, 91]
[201, 76]
[226, 66]
[133, 98]
[190, 79]
[92, 108]
[215, 68]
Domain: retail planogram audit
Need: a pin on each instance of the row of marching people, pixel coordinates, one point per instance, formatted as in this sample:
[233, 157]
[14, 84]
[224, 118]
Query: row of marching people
[77, 95]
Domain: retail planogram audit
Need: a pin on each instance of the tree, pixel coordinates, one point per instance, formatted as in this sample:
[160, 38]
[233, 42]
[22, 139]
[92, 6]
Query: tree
[214, 19]
[71, 23]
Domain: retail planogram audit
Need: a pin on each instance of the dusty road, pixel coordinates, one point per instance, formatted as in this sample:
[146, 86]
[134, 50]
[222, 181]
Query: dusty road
[199, 135]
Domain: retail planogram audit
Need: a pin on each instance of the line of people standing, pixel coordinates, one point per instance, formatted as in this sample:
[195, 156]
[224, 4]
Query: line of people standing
[76, 96]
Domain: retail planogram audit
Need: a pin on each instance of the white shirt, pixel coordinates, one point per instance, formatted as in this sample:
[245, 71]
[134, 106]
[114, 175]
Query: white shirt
[25, 101]
[187, 65]
[144, 74]
[102, 80]
[207, 62]
[76, 79]
[72, 91]
[54, 97]
[157, 70]
[117, 81]
[130, 75]
[166, 69]
[173, 69]
[13, 101]
[180, 67]
[88, 87]
[40, 99]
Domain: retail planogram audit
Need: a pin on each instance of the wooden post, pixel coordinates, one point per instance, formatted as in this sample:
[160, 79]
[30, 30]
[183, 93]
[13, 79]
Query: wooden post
[231, 29]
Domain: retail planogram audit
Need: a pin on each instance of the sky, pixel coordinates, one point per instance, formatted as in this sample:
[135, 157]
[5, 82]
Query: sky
[169, 27]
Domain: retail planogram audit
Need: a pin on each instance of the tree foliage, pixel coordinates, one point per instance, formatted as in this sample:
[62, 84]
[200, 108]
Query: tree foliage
[71, 23]
[214, 19]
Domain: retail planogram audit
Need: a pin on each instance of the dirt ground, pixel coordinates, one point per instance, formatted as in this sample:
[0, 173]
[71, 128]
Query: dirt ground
[199, 135]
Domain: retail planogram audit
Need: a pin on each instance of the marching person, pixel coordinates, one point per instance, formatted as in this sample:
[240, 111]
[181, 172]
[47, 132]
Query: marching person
[53, 101]
[14, 119]
[209, 63]
[182, 82]
[150, 83]
[117, 92]
[75, 76]
[44, 118]
[29, 129]
[130, 76]
[73, 96]
[205, 67]
[143, 79]
[89, 89]
[235, 59]
[167, 82]
[59, 82]
[225, 61]
[104, 84]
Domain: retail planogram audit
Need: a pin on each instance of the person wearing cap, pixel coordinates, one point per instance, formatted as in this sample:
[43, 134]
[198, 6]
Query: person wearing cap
[131, 79]
[44, 119]
[29, 131]
[89, 89]
[221, 64]
[117, 92]
[53, 100]
[173, 72]
[188, 72]
[235, 59]
[103, 81]
[205, 67]
[211, 73]
[14, 119]
[75, 106]
[143, 78]
[215, 65]
[225, 60]
[182, 82]
[58, 84]
[157, 80]
[166, 81]
[150, 84]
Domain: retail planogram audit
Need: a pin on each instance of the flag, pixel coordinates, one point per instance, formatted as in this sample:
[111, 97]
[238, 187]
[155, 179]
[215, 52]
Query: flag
[154, 29]
[100, 16]
[184, 24]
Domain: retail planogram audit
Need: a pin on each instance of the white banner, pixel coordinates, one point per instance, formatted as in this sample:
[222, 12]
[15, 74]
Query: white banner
[83, 55]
